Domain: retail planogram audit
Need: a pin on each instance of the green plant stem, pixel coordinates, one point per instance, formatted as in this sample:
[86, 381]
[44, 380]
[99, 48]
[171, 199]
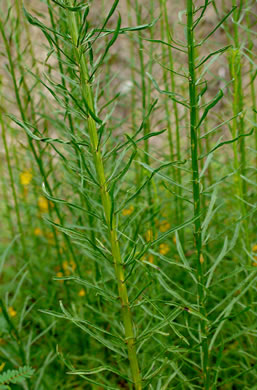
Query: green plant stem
[238, 181]
[106, 202]
[16, 203]
[145, 101]
[78, 154]
[196, 186]
[252, 72]
[8, 206]
[179, 204]
[132, 70]
[238, 94]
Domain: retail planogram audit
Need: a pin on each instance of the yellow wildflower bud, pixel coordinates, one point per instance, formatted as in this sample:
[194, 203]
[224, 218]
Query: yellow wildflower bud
[25, 178]
[2, 366]
[254, 248]
[151, 259]
[255, 261]
[59, 275]
[42, 204]
[164, 226]
[73, 265]
[128, 211]
[65, 266]
[149, 235]
[164, 249]
[12, 312]
[201, 259]
[38, 231]
[82, 292]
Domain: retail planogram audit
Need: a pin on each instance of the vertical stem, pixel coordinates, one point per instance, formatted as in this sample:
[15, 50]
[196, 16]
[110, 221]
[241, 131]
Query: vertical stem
[71, 126]
[179, 205]
[252, 72]
[196, 185]
[145, 104]
[106, 202]
[165, 81]
[238, 125]
[238, 93]
[133, 79]
[238, 181]
[16, 204]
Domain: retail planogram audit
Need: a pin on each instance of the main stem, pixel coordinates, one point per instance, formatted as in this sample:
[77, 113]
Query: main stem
[196, 186]
[177, 172]
[106, 202]
[146, 93]
[16, 203]
[238, 128]
[239, 96]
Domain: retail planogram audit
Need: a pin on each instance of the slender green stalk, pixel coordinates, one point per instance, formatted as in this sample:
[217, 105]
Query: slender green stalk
[132, 70]
[165, 81]
[252, 70]
[78, 154]
[14, 194]
[145, 102]
[168, 30]
[208, 148]
[238, 104]
[8, 206]
[106, 201]
[133, 90]
[238, 181]
[238, 124]
[196, 185]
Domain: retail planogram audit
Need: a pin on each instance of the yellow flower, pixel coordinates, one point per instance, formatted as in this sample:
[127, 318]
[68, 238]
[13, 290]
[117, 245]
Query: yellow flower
[82, 292]
[128, 211]
[174, 239]
[59, 275]
[255, 261]
[201, 259]
[50, 238]
[164, 249]
[151, 259]
[12, 312]
[68, 267]
[38, 231]
[254, 248]
[2, 366]
[149, 235]
[42, 204]
[65, 265]
[25, 178]
[73, 265]
[164, 226]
